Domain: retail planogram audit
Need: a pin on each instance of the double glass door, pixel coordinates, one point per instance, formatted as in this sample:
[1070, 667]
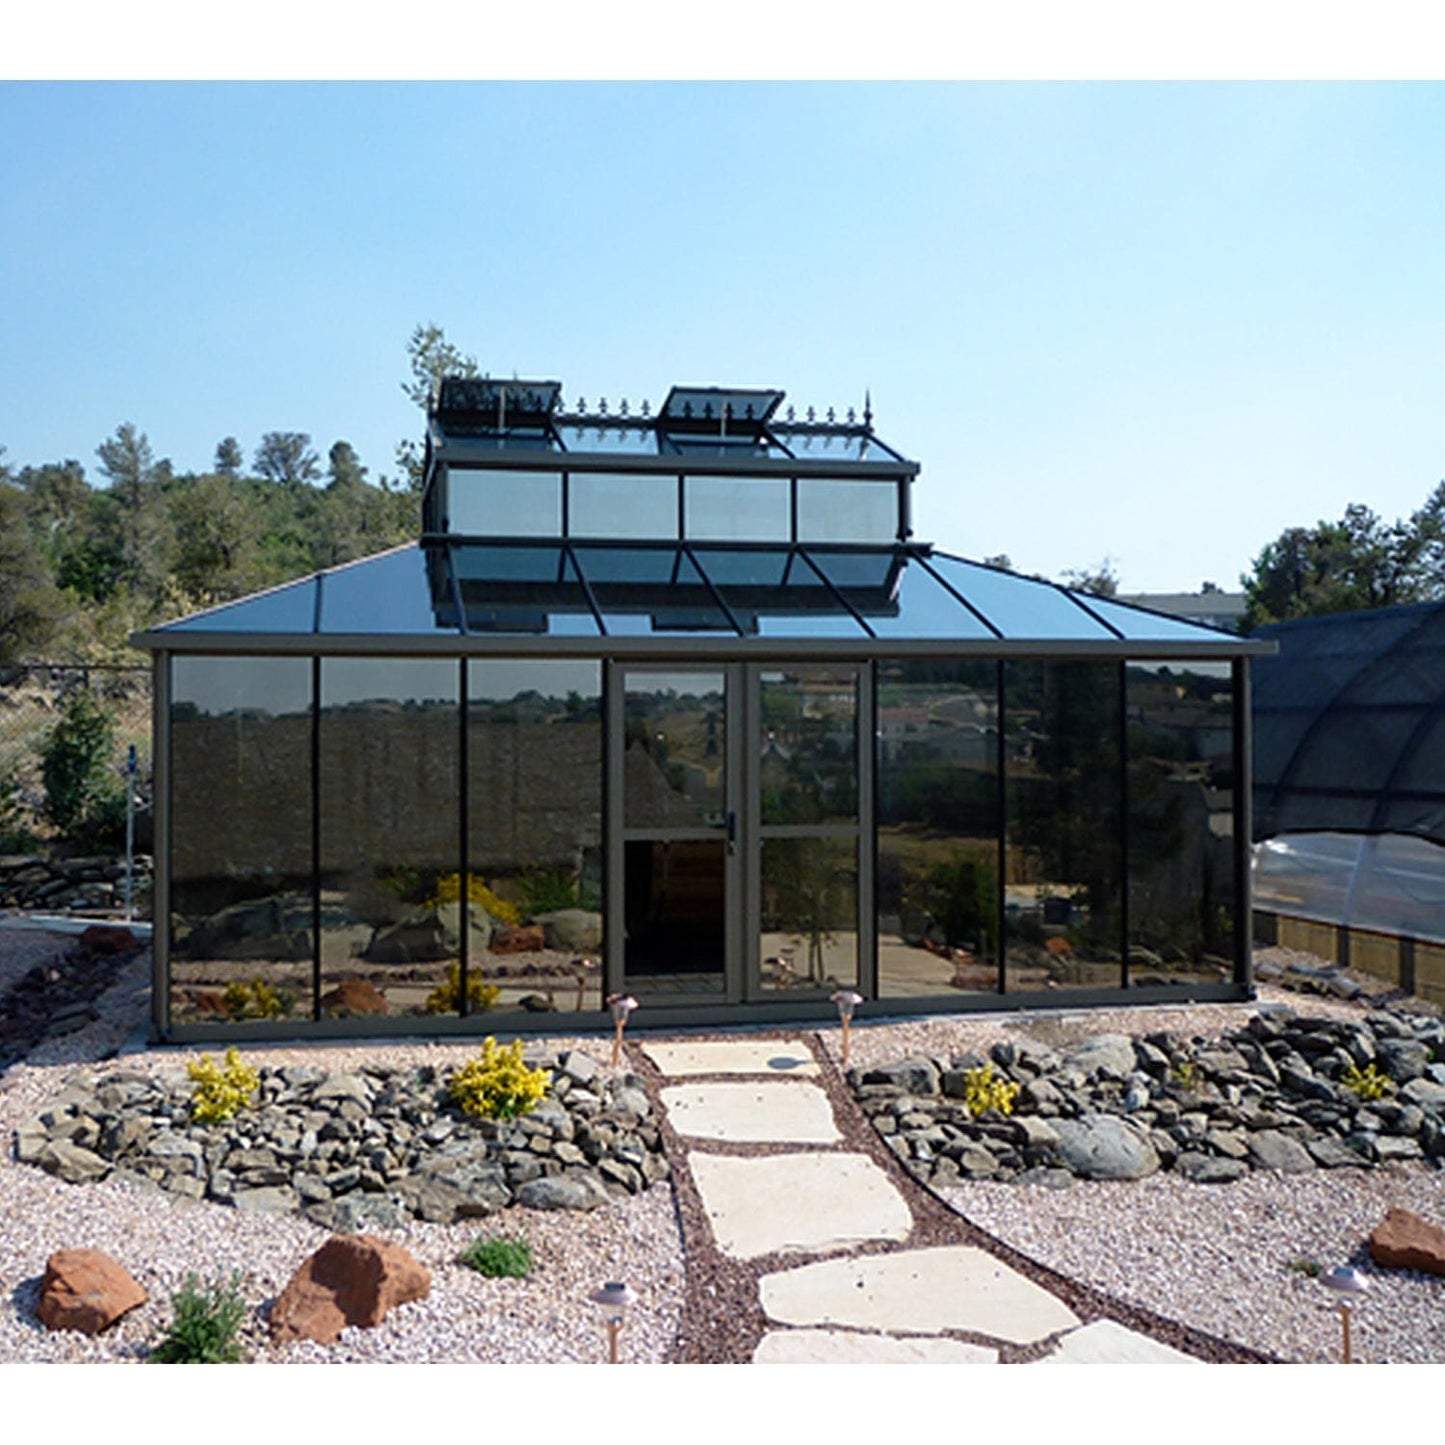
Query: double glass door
[736, 808]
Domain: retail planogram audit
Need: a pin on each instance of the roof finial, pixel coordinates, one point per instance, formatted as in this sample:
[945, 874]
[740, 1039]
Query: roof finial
[867, 410]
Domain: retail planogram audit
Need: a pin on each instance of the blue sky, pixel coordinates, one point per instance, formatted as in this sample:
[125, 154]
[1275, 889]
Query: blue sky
[1154, 322]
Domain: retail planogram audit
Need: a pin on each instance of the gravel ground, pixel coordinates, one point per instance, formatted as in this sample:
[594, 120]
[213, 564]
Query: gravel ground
[1187, 1262]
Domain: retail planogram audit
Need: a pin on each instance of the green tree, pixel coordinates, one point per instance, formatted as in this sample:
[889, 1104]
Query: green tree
[286, 457]
[217, 525]
[137, 481]
[1099, 581]
[83, 796]
[430, 356]
[30, 606]
[229, 460]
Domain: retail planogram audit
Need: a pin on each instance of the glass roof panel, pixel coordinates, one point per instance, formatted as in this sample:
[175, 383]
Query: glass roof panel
[1139, 625]
[924, 608]
[384, 595]
[842, 510]
[1020, 607]
[750, 566]
[288, 609]
[645, 566]
[621, 506]
[636, 439]
[482, 563]
[832, 446]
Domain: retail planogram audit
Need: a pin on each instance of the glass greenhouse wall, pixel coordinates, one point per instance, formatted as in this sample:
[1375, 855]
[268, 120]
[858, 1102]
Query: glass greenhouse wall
[703, 724]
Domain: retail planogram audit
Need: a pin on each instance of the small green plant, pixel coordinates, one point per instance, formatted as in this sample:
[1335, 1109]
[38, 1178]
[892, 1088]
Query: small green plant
[499, 1085]
[498, 1257]
[1368, 1083]
[257, 1000]
[1186, 1074]
[16, 835]
[220, 1092]
[984, 1090]
[84, 798]
[1310, 1268]
[547, 891]
[204, 1323]
[446, 997]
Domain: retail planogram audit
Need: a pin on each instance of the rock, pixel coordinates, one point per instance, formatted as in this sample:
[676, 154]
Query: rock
[72, 1163]
[1269, 1149]
[563, 1191]
[355, 998]
[1329, 1153]
[523, 938]
[580, 1068]
[1109, 1056]
[1405, 1241]
[1402, 1059]
[354, 1280]
[86, 1290]
[280, 1199]
[913, 1076]
[1209, 1168]
[571, 930]
[431, 936]
[1104, 1146]
[105, 938]
[1426, 1093]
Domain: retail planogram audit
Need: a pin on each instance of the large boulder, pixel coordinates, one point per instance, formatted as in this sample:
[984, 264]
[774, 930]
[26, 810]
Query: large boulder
[1109, 1056]
[350, 1280]
[431, 936]
[572, 930]
[353, 998]
[1405, 1241]
[1104, 1146]
[86, 1290]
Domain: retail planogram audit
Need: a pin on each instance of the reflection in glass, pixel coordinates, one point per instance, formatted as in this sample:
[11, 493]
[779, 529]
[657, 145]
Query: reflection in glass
[938, 811]
[809, 913]
[1064, 894]
[390, 780]
[674, 907]
[808, 747]
[618, 505]
[674, 760]
[1181, 822]
[504, 504]
[240, 767]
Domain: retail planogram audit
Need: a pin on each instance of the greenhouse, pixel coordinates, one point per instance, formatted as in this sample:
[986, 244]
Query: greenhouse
[674, 705]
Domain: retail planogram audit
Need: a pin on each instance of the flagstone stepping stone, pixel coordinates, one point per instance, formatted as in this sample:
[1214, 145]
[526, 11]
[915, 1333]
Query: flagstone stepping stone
[804, 1202]
[847, 1347]
[761, 1112]
[1107, 1343]
[917, 1291]
[732, 1056]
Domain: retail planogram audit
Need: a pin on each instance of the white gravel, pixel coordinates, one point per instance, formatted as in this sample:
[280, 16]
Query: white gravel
[1216, 1257]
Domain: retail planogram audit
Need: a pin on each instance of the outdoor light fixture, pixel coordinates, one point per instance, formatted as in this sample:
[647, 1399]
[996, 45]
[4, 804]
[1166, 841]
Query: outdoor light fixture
[613, 1299]
[621, 1005]
[847, 1001]
[1346, 1284]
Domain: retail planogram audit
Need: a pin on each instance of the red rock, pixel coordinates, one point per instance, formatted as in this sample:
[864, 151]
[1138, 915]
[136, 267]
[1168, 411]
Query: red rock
[355, 996]
[525, 938]
[1405, 1241]
[209, 1002]
[86, 1290]
[353, 1279]
[101, 938]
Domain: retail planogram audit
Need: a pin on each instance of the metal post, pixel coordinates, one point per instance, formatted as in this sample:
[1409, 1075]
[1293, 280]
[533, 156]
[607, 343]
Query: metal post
[130, 834]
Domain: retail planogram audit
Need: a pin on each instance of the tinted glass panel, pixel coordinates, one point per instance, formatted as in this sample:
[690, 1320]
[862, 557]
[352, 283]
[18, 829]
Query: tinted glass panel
[385, 594]
[1181, 822]
[674, 764]
[676, 917]
[922, 608]
[842, 511]
[241, 939]
[390, 780]
[1018, 606]
[809, 913]
[732, 509]
[939, 845]
[1065, 874]
[534, 739]
[807, 752]
[639, 441]
[603, 504]
[504, 504]
[1143, 626]
[288, 609]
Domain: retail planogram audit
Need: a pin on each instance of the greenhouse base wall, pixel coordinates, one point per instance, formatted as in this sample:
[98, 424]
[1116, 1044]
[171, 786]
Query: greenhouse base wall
[1410, 964]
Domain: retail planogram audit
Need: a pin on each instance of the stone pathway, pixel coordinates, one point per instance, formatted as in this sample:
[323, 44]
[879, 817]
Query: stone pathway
[813, 1197]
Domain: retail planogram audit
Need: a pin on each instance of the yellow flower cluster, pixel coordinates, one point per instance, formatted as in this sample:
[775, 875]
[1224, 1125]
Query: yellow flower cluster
[983, 1090]
[220, 1093]
[499, 1085]
[449, 890]
[446, 997]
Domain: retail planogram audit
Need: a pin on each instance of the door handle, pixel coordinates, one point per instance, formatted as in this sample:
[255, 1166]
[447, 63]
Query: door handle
[732, 831]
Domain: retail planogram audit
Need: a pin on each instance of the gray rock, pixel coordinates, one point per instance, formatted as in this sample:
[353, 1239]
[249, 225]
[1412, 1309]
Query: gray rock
[272, 1199]
[1402, 1059]
[580, 1068]
[1269, 1149]
[1109, 1056]
[360, 1213]
[1331, 1153]
[913, 1076]
[572, 930]
[1390, 1147]
[71, 1163]
[1043, 1177]
[1103, 1146]
[630, 1103]
[1209, 1168]
[563, 1191]
[1426, 1093]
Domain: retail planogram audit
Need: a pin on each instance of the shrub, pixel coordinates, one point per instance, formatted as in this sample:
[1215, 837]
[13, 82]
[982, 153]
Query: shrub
[547, 891]
[204, 1322]
[446, 997]
[449, 890]
[257, 1000]
[220, 1093]
[1368, 1083]
[499, 1085]
[984, 1090]
[83, 798]
[498, 1257]
[16, 836]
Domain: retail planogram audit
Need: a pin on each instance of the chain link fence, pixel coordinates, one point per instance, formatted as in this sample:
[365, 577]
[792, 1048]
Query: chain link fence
[33, 697]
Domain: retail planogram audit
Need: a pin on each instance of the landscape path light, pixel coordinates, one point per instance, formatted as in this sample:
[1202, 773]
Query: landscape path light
[613, 1299]
[621, 1005]
[1347, 1285]
[847, 1001]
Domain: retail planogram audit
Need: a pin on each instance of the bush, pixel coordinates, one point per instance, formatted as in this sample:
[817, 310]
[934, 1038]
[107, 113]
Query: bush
[204, 1322]
[84, 799]
[220, 1093]
[257, 1000]
[446, 997]
[449, 890]
[1368, 1083]
[547, 891]
[983, 1090]
[16, 836]
[498, 1257]
[499, 1085]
